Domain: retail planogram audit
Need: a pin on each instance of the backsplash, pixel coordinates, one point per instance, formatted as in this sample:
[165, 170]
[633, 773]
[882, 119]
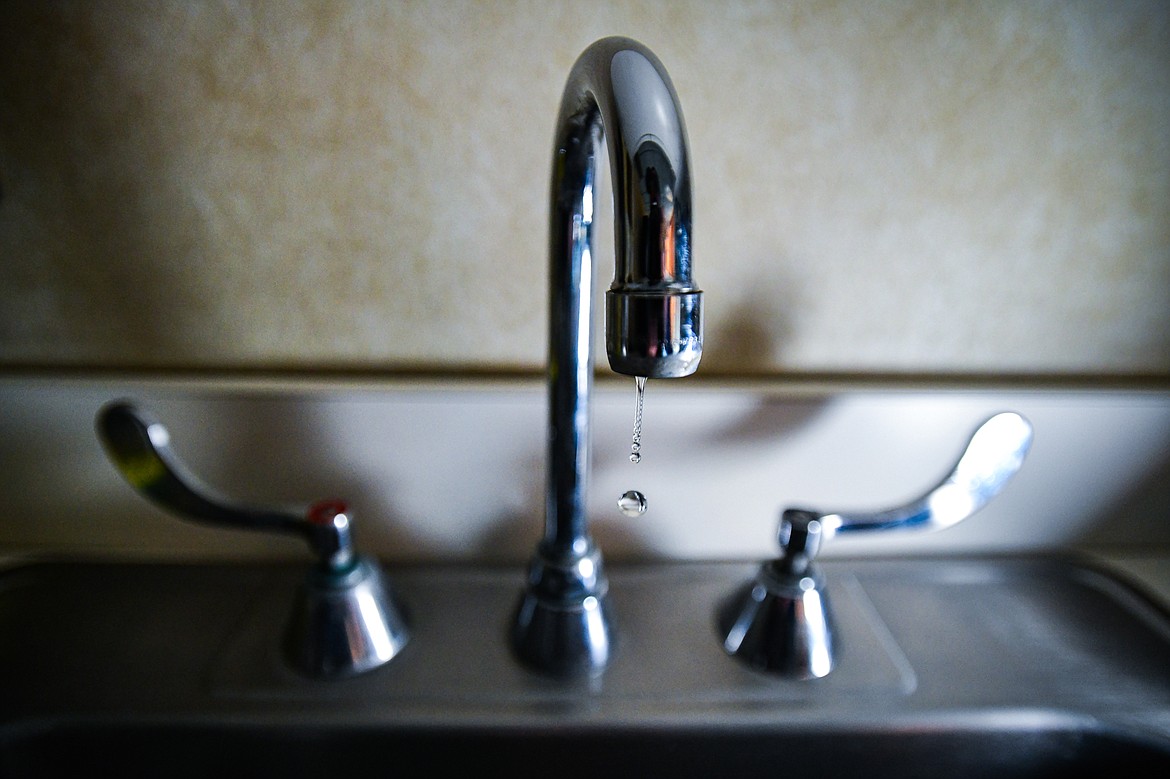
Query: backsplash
[457, 471]
[917, 187]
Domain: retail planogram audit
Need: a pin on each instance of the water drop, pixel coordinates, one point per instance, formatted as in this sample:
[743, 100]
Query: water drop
[636, 446]
[632, 503]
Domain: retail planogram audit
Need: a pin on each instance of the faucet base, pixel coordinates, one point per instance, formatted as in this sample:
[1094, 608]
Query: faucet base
[781, 623]
[345, 624]
[563, 624]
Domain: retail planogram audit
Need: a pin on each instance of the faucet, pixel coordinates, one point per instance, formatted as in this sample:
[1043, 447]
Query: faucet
[781, 621]
[345, 620]
[617, 94]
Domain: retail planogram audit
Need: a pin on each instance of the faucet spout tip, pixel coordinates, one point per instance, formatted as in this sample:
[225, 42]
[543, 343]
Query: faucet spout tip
[655, 334]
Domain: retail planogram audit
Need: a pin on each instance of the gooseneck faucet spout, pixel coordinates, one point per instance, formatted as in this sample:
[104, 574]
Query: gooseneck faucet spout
[617, 94]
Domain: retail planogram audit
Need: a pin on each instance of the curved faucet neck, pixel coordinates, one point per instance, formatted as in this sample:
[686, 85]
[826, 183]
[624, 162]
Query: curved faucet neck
[617, 95]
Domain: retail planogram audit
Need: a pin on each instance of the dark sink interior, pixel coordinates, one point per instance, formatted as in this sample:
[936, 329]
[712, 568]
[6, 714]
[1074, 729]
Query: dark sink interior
[186, 750]
[948, 667]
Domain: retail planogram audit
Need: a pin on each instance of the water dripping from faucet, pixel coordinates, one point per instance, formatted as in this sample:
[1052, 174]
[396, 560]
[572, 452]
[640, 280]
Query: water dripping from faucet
[632, 503]
[636, 445]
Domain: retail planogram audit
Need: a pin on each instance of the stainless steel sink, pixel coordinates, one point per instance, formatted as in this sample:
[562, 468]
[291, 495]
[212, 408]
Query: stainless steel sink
[171, 749]
[955, 667]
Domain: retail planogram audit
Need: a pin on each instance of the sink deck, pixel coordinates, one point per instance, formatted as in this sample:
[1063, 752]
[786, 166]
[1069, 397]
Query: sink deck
[1018, 660]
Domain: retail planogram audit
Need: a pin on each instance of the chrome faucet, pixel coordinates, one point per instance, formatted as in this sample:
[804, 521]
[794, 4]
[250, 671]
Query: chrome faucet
[617, 92]
[781, 620]
[345, 620]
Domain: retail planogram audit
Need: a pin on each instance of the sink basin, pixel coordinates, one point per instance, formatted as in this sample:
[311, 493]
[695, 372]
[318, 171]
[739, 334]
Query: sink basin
[186, 749]
[948, 667]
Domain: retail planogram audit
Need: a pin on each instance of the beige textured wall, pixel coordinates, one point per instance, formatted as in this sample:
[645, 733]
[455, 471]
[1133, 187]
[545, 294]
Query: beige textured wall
[879, 186]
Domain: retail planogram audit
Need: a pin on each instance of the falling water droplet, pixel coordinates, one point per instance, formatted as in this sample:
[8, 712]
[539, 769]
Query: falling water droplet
[636, 446]
[632, 503]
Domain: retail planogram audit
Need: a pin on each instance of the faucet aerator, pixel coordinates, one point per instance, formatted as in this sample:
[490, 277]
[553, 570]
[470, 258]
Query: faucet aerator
[656, 335]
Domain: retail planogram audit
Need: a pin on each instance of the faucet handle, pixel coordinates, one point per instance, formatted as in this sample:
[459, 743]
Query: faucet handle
[993, 455]
[333, 632]
[781, 620]
[139, 446]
